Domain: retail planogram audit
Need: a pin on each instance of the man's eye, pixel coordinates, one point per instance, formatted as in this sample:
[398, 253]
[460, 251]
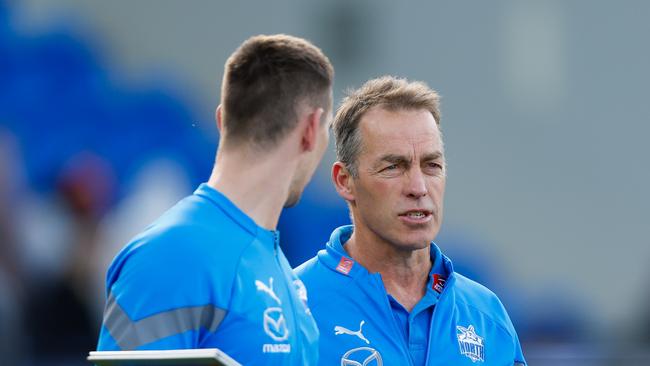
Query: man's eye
[391, 167]
[434, 167]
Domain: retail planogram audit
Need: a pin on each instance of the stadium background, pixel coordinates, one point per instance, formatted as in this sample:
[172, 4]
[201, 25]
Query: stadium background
[106, 120]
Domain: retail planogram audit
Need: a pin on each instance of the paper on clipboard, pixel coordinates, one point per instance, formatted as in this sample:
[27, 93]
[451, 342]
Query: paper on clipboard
[180, 357]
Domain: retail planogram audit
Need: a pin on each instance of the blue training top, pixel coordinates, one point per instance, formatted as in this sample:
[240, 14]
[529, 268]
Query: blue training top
[205, 275]
[358, 326]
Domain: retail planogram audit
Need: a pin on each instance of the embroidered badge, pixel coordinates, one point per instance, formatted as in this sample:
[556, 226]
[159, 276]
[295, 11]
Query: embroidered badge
[470, 343]
[345, 265]
[438, 282]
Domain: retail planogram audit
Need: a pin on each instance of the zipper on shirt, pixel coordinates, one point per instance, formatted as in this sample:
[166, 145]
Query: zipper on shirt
[276, 241]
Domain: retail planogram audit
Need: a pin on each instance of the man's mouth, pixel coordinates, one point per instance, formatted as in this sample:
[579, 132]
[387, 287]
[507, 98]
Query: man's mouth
[416, 216]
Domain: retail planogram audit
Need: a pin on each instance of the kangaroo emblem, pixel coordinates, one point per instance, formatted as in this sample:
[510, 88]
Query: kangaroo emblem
[261, 286]
[338, 330]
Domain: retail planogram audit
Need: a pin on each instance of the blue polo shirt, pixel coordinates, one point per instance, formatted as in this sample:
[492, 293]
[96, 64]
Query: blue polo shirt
[464, 324]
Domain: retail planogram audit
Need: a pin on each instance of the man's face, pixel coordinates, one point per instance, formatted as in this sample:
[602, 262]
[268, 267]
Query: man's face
[310, 162]
[398, 193]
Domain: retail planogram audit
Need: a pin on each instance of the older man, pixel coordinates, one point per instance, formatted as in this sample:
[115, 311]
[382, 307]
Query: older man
[382, 291]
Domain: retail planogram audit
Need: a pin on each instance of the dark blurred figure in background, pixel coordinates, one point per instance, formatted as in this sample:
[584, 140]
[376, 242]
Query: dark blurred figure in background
[11, 327]
[60, 174]
[60, 319]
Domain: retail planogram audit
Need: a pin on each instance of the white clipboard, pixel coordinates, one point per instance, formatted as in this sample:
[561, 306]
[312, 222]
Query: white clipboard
[177, 357]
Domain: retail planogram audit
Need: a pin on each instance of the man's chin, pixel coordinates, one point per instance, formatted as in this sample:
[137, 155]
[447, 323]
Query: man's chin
[416, 243]
[419, 237]
[411, 247]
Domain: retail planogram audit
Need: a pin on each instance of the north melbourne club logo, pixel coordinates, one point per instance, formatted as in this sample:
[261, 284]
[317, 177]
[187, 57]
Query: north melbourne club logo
[302, 294]
[470, 343]
[301, 290]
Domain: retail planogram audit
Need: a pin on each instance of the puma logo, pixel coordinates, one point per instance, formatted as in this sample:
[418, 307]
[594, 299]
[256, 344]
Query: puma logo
[261, 286]
[338, 330]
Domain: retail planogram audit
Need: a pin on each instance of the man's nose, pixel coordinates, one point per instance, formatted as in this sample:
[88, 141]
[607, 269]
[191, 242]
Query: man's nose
[415, 186]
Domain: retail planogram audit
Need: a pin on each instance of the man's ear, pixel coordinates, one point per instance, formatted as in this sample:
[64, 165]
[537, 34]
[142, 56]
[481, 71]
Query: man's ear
[218, 117]
[310, 127]
[343, 181]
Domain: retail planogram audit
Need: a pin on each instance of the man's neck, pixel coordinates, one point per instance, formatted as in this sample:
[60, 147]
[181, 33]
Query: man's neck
[404, 272]
[257, 184]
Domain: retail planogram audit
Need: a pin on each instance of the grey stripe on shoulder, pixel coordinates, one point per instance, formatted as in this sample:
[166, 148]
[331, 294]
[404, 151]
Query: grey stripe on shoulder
[130, 334]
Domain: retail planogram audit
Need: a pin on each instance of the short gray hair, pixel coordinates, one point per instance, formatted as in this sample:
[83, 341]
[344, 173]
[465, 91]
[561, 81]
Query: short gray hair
[387, 92]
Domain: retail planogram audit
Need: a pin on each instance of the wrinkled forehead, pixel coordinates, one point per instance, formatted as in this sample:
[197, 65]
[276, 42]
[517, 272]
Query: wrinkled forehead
[403, 132]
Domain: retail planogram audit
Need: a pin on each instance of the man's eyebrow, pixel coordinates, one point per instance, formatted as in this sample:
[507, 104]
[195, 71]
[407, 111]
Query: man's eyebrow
[437, 155]
[401, 159]
[391, 159]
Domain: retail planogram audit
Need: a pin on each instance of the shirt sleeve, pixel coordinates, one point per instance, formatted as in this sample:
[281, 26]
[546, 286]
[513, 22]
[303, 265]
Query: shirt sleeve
[163, 293]
[519, 354]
